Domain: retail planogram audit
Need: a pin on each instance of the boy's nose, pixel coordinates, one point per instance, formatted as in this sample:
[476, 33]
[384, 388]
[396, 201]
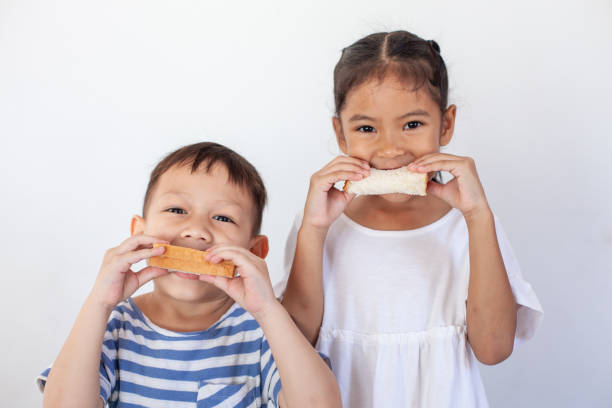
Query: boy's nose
[197, 234]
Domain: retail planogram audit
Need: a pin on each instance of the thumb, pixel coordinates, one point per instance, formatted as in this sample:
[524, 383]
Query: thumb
[149, 273]
[435, 189]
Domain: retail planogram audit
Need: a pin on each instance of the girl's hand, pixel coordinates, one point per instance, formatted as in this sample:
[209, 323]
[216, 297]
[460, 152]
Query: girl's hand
[116, 281]
[252, 289]
[324, 202]
[464, 192]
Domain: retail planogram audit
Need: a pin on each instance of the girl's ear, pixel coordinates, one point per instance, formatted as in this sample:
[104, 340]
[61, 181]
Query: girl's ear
[339, 134]
[259, 246]
[448, 125]
[137, 226]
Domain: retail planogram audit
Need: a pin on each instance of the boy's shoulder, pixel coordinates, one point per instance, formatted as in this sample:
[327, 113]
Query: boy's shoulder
[235, 324]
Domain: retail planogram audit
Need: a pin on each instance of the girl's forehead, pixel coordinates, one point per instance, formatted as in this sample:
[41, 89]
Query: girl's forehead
[388, 93]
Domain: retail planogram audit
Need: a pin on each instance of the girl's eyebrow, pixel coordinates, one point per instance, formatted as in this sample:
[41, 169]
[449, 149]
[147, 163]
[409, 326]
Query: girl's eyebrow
[358, 116]
[419, 112]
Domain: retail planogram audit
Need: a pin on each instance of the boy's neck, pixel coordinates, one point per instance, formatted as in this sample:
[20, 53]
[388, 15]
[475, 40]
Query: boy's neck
[403, 212]
[181, 316]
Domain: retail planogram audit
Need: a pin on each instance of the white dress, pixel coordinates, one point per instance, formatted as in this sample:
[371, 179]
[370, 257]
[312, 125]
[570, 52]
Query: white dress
[394, 323]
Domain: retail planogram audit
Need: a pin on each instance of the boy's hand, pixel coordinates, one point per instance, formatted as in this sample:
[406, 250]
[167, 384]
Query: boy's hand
[252, 289]
[116, 281]
[324, 202]
[464, 192]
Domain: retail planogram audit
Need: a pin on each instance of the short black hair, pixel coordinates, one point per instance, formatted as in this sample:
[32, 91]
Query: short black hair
[240, 171]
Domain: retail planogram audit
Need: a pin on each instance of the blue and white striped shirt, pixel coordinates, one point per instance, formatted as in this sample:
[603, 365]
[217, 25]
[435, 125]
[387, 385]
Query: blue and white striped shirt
[227, 365]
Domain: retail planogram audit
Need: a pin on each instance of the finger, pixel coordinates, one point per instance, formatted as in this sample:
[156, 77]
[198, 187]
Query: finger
[139, 255]
[349, 167]
[349, 159]
[328, 181]
[431, 158]
[241, 257]
[440, 165]
[346, 197]
[149, 273]
[137, 241]
[435, 188]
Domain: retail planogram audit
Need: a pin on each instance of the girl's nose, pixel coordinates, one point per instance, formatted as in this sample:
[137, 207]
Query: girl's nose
[388, 147]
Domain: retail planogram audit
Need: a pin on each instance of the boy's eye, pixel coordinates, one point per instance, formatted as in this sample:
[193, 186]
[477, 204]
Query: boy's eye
[365, 129]
[222, 218]
[413, 124]
[176, 210]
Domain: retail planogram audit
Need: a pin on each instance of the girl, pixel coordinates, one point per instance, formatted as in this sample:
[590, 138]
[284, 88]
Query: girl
[401, 292]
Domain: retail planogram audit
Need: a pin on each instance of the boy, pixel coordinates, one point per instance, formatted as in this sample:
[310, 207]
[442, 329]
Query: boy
[194, 341]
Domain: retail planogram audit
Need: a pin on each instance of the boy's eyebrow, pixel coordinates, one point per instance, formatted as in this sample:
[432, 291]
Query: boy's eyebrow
[173, 192]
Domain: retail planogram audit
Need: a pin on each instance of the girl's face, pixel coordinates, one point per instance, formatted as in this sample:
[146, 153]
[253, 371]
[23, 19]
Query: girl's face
[390, 125]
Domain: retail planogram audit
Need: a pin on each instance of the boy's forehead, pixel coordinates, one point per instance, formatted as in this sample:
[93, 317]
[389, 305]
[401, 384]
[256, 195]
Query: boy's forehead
[214, 183]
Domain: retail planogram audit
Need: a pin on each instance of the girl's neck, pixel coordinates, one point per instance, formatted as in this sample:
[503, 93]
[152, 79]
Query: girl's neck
[396, 212]
[181, 316]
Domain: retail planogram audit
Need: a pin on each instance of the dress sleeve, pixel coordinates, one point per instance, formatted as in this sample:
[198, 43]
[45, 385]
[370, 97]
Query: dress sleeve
[529, 313]
[290, 246]
[108, 365]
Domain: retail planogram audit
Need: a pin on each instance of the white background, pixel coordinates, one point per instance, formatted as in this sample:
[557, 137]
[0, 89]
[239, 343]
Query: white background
[93, 94]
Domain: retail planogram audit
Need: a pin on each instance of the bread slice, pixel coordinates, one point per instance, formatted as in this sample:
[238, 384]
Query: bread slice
[189, 260]
[389, 181]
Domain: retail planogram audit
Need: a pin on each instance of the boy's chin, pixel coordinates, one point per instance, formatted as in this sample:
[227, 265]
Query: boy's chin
[187, 289]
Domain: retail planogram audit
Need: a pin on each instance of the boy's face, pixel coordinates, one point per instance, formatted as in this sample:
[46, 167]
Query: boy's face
[198, 210]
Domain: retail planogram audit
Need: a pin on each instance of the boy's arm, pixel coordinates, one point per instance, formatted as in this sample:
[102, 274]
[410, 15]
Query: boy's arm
[306, 380]
[74, 379]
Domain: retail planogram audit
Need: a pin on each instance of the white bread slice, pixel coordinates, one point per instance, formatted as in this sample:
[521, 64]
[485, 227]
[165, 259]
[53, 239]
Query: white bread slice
[389, 181]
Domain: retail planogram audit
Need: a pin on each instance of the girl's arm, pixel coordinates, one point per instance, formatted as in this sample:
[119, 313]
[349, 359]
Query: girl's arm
[491, 308]
[303, 297]
[74, 379]
[306, 380]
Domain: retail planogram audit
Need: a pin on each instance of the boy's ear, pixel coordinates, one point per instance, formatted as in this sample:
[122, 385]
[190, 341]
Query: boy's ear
[448, 125]
[259, 246]
[339, 134]
[137, 226]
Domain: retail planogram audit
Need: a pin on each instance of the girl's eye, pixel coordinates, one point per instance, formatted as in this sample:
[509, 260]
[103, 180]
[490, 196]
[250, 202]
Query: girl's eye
[365, 129]
[222, 218]
[176, 210]
[412, 124]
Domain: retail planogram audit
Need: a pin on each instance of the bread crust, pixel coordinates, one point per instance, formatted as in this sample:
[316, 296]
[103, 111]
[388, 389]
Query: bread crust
[190, 261]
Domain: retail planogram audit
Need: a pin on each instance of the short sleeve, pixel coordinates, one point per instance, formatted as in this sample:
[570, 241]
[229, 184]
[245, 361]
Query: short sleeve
[270, 378]
[529, 313]
[290, 246]
[107, 370]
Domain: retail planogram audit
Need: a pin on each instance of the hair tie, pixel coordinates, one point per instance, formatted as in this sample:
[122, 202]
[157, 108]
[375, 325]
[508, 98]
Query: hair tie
[434, 45]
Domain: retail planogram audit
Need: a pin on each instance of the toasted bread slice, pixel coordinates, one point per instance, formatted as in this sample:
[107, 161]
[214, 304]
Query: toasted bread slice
[190, 261]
